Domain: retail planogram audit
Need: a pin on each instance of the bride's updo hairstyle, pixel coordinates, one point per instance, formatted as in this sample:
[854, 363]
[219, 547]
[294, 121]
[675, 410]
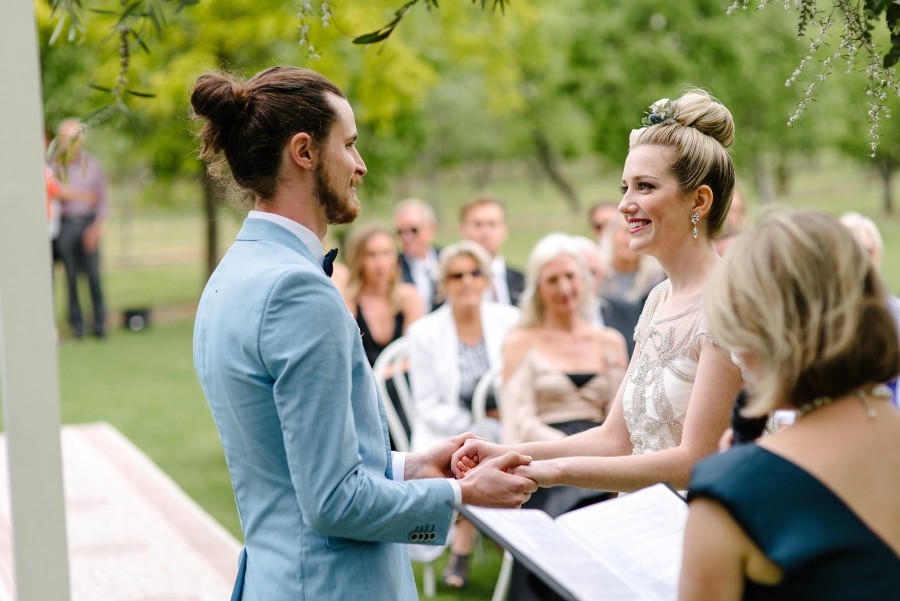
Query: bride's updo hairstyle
[800, 295]
[247, 123]
[698, 129]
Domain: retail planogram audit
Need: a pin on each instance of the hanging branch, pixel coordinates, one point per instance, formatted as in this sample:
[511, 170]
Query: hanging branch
[133, 19]
[383, 33]
[858, 18]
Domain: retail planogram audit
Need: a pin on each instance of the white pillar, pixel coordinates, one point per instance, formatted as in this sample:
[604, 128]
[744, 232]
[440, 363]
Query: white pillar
[28, 369]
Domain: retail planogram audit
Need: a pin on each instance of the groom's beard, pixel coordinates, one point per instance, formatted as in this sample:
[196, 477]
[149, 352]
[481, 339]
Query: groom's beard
[338, 208]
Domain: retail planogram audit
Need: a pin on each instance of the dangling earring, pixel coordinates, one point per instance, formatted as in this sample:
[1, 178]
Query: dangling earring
[695, 218]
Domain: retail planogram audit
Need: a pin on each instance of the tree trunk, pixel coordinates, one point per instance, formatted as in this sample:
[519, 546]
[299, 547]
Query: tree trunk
[483, 174]
[886, 170]
[210, 205]
[549, 164]
[764, 182]
[782, 176]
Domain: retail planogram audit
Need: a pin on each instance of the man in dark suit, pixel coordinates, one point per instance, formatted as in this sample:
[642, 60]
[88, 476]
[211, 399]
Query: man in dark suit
[416, 226]
[483, 220]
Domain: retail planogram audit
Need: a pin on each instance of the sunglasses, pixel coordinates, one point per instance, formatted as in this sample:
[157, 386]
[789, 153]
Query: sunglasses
[409, 230]
[475, 273]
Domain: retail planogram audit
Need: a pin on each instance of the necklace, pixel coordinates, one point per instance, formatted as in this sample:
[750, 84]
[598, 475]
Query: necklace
[655, 302]
[879, 390]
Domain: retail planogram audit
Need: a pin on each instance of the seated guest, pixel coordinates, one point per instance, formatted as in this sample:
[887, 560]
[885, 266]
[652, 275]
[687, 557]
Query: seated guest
[866, 233]
[383, 306]
[736, 223]
[628, 278]
[593, 262]
[601, 214]
[560, 373]
[416, 226]
[811, 511]
[450, 350]
[627, 275]
[483, 220]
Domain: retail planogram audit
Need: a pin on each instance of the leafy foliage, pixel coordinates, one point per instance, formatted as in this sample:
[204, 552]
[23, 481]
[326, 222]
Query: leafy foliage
[384, 32]
[859, 22]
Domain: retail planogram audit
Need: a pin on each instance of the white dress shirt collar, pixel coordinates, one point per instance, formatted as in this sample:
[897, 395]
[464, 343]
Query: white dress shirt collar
[307, 237]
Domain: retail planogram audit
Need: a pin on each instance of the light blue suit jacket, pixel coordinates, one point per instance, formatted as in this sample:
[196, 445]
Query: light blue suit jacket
[282, 366]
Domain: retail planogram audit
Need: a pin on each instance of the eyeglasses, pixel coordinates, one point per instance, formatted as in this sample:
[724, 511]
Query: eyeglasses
[475, 273]
[409, 230]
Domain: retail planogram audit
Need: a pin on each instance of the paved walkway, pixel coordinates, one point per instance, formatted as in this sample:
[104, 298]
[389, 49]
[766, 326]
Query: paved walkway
[133, 534]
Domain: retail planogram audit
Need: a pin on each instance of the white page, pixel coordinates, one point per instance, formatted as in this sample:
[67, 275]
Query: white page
[534, 534]
[638, 536]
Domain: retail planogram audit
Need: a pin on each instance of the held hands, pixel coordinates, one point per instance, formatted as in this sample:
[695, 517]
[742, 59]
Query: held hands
[545, 473]
[474, 451]
[477, 451]
[494, 484]
[434, 462]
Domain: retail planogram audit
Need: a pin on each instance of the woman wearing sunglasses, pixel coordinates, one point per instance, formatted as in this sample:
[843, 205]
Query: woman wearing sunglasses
[450, 350]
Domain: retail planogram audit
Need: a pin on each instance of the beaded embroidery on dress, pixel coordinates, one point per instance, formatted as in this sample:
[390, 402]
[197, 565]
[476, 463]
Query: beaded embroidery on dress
[659, 382]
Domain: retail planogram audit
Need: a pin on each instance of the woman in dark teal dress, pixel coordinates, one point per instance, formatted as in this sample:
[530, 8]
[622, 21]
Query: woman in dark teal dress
[812, 512]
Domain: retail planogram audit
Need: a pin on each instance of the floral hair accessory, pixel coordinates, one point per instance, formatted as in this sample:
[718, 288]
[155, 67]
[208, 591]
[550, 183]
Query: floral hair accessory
[661, 112]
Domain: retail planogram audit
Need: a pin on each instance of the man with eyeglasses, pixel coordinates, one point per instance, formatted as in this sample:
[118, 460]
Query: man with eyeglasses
[416, 226]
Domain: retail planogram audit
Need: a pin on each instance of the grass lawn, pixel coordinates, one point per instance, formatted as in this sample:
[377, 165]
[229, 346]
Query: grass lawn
[144, 384]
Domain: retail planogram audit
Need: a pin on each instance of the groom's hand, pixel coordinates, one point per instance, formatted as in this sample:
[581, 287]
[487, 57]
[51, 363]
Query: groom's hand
[491, 484]
[434, 462]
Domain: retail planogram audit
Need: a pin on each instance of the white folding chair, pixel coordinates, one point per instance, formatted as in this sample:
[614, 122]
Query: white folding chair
[486, 384]
[391, 366]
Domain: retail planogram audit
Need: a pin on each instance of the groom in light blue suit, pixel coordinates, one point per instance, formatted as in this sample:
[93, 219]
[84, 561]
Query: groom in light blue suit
[323, 501]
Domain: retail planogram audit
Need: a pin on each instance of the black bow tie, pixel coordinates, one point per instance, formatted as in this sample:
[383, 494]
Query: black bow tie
[328, 261]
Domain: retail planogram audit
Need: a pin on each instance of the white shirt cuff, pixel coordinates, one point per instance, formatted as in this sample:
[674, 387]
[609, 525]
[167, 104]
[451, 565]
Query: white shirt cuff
[398, 466]
[398, 469]
[457, 492]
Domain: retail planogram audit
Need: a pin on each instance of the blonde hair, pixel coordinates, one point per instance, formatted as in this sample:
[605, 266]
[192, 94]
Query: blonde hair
[547, 249]
[866, 233]
[465, 248]
[356, 248]
[421, 208]
[702, 132]
[800, 295]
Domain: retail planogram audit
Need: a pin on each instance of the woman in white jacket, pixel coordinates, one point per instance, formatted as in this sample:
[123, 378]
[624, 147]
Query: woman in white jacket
[450, 350]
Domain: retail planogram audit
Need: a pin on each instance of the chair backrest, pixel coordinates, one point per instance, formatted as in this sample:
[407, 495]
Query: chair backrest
[486, 384]
[391, 366]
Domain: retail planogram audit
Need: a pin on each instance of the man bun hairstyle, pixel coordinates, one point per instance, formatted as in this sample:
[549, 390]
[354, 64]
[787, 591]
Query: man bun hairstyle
[699, 129]
[247, 123]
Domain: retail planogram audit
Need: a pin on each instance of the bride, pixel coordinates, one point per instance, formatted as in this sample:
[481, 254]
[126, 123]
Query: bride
[675, 401]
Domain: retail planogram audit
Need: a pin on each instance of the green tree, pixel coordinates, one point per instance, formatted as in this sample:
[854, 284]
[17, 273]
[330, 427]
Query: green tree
[622, 60]
[389, 86]
[849, 138]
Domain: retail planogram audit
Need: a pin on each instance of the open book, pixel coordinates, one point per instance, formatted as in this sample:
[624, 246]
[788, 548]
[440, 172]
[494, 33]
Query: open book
[625, 548]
